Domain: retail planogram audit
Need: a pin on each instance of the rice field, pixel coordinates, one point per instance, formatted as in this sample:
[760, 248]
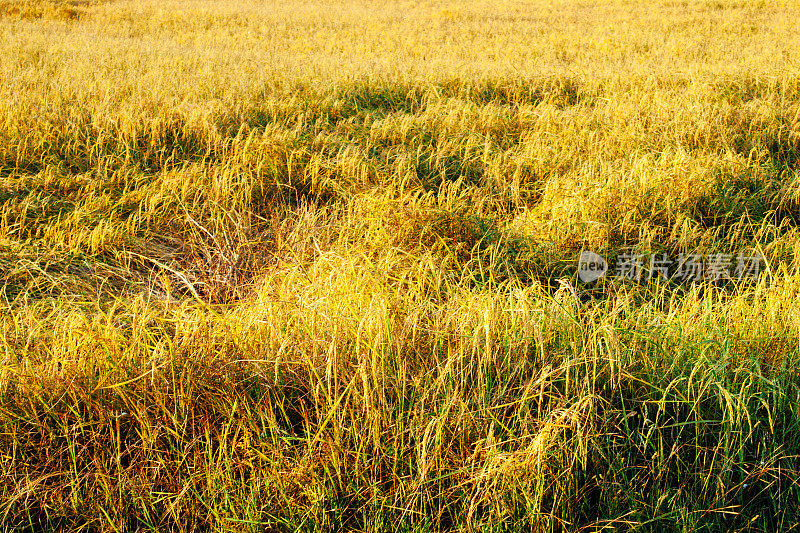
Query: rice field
[313, 265]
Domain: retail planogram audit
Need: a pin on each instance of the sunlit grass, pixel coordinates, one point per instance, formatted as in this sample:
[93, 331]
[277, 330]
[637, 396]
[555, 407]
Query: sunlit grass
[312, 265]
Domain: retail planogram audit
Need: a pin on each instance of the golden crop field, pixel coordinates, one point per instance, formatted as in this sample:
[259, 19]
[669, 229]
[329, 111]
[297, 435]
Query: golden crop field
[313, 265]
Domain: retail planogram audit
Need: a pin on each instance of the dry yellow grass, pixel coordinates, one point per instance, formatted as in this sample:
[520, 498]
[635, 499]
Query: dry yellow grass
[312, 265]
